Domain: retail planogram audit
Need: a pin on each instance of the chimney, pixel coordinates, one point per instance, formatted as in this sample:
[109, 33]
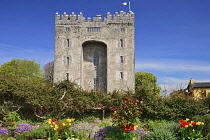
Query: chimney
[192, 81]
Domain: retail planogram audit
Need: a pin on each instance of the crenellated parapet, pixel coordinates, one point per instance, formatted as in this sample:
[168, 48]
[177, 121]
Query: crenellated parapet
[73, 19]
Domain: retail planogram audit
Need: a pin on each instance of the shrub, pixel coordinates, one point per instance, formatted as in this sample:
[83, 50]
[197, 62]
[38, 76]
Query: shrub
[127, 113]
[164, 132]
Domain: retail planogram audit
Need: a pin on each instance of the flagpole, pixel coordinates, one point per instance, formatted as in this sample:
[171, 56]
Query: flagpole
[129, 6]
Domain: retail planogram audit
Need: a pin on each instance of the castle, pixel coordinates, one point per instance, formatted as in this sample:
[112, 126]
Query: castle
[95, 53]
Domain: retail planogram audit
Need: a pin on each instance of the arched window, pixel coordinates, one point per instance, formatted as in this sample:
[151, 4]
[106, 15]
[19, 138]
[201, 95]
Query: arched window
[68, 60]
[96, 59]
[68, 42]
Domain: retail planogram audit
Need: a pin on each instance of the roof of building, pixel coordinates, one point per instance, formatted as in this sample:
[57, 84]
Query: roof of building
[200, 85]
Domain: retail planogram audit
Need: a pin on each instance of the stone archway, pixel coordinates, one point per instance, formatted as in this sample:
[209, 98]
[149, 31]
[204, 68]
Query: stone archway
[94, 65]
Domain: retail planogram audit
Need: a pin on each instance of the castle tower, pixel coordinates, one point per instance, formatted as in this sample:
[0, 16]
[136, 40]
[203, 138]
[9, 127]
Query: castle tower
[95, 53]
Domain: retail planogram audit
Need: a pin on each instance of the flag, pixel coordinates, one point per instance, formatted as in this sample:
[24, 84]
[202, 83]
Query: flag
[126, 3]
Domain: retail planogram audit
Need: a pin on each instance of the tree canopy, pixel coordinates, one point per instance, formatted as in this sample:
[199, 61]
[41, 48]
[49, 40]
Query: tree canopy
[21, 69]
[148, 80]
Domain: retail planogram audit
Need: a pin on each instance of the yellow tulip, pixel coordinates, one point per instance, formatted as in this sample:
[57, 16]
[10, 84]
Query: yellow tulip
[49, 121]
[63, 124]
[68, 120]
[186, 125]
[190, 125]
[187, 119]
[55, 128]
[193, 130]
[198, 123]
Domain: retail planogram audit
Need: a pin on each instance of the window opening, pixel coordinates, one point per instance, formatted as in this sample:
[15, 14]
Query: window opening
[67, 76]
[68, 42]
[93, 29]
[67, 29]
[121, 43]
[96, 59]
[122, 30]
[121, 59]
[67, 60]
[96, 83]
[121, 75]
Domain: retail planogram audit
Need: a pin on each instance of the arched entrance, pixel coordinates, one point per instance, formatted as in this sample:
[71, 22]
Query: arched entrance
[95, 65]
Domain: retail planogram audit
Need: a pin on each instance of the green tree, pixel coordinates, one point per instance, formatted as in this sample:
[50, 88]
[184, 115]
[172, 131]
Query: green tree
[21, 69]
[146, 80]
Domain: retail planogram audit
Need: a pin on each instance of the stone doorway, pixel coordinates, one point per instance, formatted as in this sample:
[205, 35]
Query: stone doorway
[94, 65]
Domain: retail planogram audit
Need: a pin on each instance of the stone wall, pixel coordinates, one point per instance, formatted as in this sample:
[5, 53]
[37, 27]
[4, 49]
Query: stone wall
[76, 40]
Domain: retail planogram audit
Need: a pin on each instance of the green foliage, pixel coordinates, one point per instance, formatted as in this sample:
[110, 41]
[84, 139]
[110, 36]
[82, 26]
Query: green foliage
[13, 116]
[21, 69]
[174, 107]
[104, 123]
[206, 127]
[184, 106]
[147, 80]
[162, 131]
[127, 112]
[12, 119]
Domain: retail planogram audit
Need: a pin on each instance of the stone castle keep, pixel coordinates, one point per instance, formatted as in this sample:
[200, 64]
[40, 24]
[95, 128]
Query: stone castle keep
[95, 53]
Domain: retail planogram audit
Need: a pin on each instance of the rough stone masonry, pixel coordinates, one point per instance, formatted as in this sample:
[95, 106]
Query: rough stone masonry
[95, 53]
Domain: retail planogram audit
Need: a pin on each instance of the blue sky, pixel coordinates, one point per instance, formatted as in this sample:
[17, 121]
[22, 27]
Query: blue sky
[172, 37]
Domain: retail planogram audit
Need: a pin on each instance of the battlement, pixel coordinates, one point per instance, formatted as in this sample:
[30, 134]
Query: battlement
[73, 19]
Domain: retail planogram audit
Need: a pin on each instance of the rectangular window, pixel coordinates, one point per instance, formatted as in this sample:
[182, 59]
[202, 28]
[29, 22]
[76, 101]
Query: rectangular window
[67, 76]
[96, 83]
[67, 60]
[67, 28]
[122, 30]
[93, 29]
[121, 43]
[121, 59]
[121, 75]
[96, 59]
[68, 42]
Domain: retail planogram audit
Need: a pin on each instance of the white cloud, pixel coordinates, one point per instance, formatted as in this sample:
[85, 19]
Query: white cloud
[173, 65]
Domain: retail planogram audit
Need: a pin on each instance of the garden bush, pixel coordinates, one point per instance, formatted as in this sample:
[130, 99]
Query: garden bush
[206, 127]
[162, 131]
[173, 107]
